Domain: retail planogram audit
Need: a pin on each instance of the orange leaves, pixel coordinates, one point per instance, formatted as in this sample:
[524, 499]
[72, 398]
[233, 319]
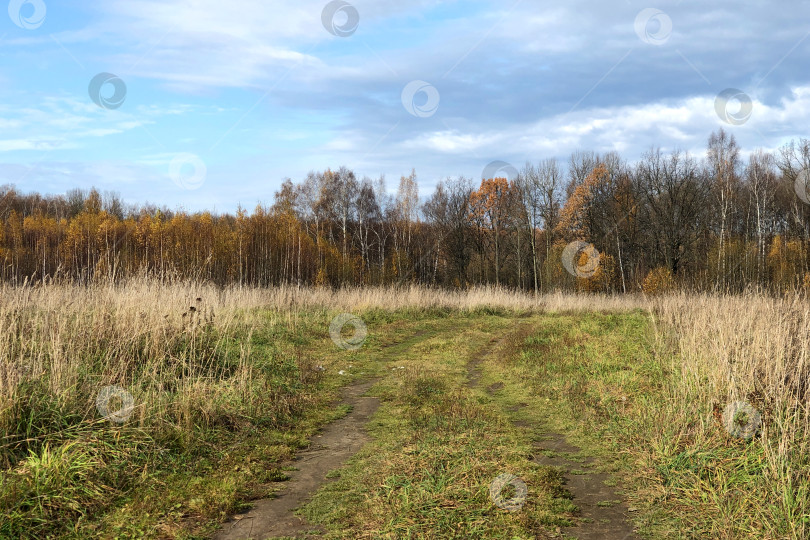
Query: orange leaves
[659, 280]
[489, 205]
[574, 215]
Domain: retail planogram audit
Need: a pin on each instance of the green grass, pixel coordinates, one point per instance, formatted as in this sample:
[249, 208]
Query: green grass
[600, 379]
[72, 476]
[594, 378]
[436, 445]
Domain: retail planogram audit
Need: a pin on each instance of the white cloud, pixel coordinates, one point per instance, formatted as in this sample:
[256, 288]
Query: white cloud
[684, 123]
[11, 145]
[515, 74]
[61, 123]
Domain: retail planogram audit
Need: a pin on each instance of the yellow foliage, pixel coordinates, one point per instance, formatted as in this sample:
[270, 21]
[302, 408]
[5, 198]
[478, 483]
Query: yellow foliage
[659, 281]
[603, 278]
[573, 215]
[785, 262]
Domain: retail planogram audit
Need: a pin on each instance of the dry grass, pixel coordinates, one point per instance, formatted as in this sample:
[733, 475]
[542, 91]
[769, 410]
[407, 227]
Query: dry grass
[741, 347]
[750, 348]
[746, 348]
[69, 341]
[64, 341]
[53, 330]
[730, 348]
[182, 351]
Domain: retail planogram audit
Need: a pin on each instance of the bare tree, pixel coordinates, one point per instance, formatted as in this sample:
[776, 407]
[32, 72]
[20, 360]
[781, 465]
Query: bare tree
[723, 157]
[538, 192]
[761, 180]
[795, 158]
[368, 215]
[674, 206]
[580, 165]
[406, 204]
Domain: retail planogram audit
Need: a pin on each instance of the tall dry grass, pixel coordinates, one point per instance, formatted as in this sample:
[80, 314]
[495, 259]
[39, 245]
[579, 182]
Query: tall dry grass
[189, 362]
[745, 348]
[183, 352]
[751, 348]
[172, 346]
[51, 332]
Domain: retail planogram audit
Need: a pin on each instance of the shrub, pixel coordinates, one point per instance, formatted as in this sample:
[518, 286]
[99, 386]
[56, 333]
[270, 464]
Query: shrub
[659, 281]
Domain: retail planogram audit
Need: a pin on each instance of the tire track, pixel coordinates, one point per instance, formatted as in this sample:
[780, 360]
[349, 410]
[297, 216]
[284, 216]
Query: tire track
[602, 511]
[329, 450]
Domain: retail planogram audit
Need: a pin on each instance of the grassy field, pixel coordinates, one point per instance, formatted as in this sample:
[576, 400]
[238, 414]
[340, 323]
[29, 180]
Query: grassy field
[227, 385]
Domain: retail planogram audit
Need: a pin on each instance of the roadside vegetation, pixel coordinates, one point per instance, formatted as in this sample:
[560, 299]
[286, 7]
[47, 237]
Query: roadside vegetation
[224, 394]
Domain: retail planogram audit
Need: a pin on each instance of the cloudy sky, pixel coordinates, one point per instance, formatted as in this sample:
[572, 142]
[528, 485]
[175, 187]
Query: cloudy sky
[209, 104]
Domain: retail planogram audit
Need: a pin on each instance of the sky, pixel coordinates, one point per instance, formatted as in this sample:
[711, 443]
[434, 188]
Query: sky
[205, 104]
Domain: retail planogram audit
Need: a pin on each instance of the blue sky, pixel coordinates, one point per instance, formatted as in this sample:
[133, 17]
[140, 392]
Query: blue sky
[238, 95]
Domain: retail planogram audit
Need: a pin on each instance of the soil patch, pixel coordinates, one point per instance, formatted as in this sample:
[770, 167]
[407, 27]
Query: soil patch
[603, 512]
[329, 450]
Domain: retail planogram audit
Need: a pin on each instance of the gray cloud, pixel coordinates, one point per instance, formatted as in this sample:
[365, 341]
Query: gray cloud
[534, 82]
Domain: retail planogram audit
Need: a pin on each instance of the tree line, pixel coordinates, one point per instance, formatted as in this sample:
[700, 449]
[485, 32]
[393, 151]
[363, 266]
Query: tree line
[711, 222]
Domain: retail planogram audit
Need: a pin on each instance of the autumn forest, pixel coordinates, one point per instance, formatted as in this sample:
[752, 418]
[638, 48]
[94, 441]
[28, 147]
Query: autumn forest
[710, 222]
